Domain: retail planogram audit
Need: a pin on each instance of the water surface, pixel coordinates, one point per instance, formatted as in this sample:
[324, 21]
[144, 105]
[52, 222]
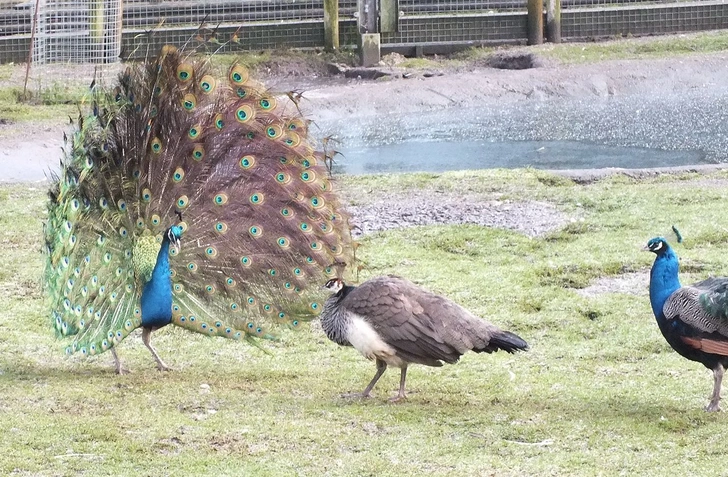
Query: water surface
[439, 156]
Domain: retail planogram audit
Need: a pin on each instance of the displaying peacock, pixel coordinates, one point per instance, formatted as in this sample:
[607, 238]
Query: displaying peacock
[694, 318]
[194, 198]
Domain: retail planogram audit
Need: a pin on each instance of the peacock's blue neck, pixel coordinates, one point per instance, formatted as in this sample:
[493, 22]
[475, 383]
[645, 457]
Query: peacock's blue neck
[156, 298]
[663, 281]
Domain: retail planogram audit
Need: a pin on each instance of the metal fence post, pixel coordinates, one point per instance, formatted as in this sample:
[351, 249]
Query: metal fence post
[553, 21]
[369, 38]
[368, 16]
[388, 16]
[331, 25]
[535, 22]
[96, 28]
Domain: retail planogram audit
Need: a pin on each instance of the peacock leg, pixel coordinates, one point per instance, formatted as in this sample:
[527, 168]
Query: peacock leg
[402, 378]
[147, 339]
[718, 380]
[117, 362]
[381, 368]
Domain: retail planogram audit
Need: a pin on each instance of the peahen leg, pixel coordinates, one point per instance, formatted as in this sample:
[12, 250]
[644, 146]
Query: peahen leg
[117, 362]
[381, 368]
[718, 380]
[147, 339]
[402, 378]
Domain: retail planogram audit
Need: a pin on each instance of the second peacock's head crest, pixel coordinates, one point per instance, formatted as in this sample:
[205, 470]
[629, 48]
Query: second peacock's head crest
[657, 245]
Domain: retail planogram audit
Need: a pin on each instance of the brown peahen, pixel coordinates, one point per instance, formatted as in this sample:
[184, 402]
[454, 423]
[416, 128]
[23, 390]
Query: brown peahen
[396, 323]
[192, 198]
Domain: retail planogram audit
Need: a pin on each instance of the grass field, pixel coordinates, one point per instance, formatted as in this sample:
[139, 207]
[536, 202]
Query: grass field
[600, 392]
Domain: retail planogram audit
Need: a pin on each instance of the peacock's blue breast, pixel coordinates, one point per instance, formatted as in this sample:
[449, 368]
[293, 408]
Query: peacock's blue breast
[156, 304]
[156, 298]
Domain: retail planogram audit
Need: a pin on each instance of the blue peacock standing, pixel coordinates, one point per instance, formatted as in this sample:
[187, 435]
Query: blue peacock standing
[192, 198]
[694, 318]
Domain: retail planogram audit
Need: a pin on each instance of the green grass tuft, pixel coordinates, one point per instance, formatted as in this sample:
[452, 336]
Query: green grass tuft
[612, 49]
[418, 63]
[650, 47]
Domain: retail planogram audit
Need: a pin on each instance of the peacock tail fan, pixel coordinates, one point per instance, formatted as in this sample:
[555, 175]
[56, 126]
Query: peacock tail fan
[176, 143]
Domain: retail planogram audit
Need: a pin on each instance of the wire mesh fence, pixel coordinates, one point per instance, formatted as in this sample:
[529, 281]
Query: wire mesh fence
[77, 31]
[572, 4]
[142, 14]
[456, 7]
[233, 24]
[436, 25]
[602, 21]
[99, 31]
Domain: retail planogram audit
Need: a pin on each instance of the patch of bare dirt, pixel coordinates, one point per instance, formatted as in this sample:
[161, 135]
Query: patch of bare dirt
[587, 176]
[295, 67]
[628, 283]
[30, 150]
[430, 208]
[512, 60]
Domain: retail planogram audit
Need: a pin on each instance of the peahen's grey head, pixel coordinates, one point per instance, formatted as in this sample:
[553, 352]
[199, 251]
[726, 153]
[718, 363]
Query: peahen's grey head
[334, 285]
[657, 245]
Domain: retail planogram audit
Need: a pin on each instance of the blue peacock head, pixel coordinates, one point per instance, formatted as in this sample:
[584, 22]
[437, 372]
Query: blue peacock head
[657, 245]
[174, 234]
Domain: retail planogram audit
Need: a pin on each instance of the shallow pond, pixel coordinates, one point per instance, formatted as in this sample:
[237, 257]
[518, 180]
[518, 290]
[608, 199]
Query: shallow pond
[424, 156]
[566, 133]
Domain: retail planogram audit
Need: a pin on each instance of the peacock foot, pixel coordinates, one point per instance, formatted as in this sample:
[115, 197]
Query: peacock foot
[713, 407]
[164, 367]
[122, 370]
[398, 398]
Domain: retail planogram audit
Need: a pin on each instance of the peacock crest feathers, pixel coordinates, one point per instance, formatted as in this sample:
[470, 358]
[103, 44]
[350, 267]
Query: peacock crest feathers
[176, 143]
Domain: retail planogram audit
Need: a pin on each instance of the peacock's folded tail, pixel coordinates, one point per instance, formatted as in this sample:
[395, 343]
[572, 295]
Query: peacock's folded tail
[177, 143]
[714, 296]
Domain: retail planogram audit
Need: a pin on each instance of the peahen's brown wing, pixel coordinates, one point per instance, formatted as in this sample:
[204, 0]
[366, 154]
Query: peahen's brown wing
[421, 326]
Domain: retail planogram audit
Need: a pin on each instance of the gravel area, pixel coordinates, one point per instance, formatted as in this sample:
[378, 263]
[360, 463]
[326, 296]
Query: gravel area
[530, 218]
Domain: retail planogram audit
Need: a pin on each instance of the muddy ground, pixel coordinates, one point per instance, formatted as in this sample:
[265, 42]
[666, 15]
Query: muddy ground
[344, 106]
[485, 87]
[352, 109]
